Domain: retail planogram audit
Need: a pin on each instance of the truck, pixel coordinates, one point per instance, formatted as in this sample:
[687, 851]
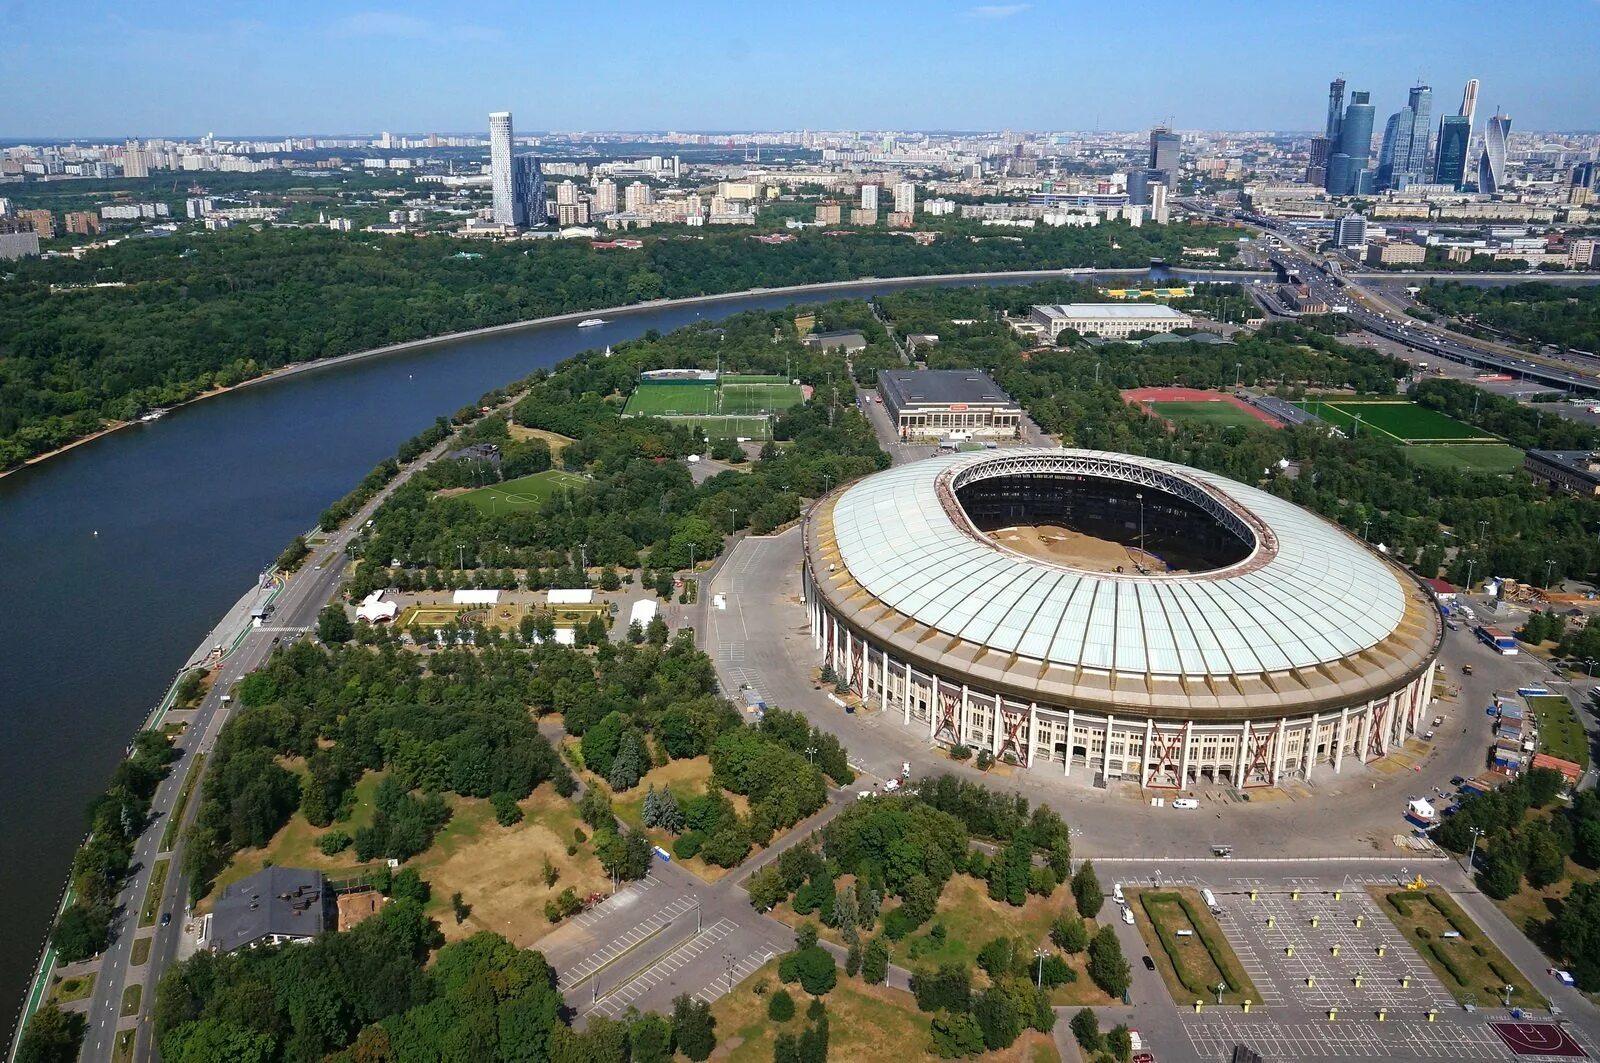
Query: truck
[1497, 640]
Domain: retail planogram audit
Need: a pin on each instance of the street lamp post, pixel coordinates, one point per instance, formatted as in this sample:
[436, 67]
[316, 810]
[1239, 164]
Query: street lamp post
[1038, 978]
[1548, 565]
[1366, 527]
[1472, 853]
[811, 754]
[461, 553]
[1471, 561]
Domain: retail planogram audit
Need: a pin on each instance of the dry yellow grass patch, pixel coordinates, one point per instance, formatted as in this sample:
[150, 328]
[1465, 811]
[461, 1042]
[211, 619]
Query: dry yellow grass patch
[557, 442]
[499, 870]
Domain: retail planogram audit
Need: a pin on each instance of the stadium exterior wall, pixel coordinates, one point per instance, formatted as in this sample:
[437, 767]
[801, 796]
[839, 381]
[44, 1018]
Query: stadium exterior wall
[905, 674]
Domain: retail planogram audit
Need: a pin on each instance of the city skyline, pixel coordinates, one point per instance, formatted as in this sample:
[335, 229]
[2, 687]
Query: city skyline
[304, 69]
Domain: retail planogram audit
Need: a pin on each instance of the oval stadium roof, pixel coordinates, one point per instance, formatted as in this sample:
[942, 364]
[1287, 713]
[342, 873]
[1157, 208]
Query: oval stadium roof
[1307, 595]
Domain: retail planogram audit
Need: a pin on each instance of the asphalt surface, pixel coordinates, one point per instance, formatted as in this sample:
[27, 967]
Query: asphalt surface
[302, 597]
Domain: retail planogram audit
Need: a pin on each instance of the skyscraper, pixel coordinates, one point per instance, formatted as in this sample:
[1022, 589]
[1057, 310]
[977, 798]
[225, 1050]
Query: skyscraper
[1317, 166]
[1492, 163]
[905, 197]
[1450, 155]
[1396, 145]
[1469, 102]
[500, 178]
[527, 192]
[1421, 104]
[1403, 157]
[1354, 150]
[1335, 106]
[1164, 147]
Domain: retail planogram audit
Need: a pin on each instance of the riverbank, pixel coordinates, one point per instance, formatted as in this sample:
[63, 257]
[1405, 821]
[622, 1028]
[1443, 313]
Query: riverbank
[929, 279]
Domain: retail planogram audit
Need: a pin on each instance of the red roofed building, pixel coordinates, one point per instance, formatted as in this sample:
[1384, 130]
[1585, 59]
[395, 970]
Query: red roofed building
[1442, 591]
[1565, 767]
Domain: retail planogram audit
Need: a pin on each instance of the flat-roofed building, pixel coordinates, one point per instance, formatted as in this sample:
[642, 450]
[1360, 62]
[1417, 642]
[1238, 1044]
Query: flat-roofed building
[1570, 470]
[1111, 320]
[947, 403]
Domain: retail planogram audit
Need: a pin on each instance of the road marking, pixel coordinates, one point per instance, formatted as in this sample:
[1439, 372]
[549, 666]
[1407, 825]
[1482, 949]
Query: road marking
[625, 943]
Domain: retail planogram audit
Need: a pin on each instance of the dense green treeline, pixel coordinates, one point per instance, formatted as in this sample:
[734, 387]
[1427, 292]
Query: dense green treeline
[1562, 314]
[194, 311]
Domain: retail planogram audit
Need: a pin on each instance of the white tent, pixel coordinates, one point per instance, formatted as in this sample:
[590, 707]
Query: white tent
[569, 597]
[467, 597]
[373, 609]
[1420, 809]
[643, 612]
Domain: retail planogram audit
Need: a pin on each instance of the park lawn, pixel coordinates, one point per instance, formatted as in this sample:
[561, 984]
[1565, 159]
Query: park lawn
[657, 399]
[1561, 733]
[1470, 967]
[75, 987]
[1191, 967]
[864, 1022]
[1466, 457]
[499, 870]
[1219, 412]
[556, 440]
[152, 893]
[296, 844]
[522, 493]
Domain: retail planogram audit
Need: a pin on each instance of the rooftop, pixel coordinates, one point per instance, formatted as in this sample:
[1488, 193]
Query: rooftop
[273, 902]
[1126, 311]
[939, 386]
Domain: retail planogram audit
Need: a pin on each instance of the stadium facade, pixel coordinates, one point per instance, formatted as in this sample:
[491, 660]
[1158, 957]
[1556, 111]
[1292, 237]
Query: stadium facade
[1123, 616]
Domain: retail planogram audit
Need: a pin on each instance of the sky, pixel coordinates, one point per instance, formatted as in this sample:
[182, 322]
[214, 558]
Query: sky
[73, 68]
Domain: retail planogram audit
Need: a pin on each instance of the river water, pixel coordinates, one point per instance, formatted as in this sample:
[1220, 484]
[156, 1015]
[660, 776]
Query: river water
[117, 557]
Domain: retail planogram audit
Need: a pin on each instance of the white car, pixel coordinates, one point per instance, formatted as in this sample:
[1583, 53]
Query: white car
[1116, 893]
[1127, 916]
[1185, 802]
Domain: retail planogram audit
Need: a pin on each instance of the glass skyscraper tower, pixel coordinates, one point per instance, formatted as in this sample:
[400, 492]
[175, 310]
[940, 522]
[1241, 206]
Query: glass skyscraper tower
[1354, 150]
[500, 167]
[1492, 163]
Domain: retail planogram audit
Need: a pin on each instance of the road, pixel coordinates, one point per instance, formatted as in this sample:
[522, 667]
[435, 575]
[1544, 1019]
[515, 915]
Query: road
[295, 609]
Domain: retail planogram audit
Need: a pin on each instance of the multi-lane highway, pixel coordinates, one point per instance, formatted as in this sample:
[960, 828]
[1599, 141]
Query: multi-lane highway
[295, 610]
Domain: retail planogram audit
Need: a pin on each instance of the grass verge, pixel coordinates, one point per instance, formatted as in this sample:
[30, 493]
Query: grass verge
[1191, 965]
[152, 894]
[141, 951]
[77, 987]
[1470, 967]
[123, 1049]
[132, 997]
[1561, 733]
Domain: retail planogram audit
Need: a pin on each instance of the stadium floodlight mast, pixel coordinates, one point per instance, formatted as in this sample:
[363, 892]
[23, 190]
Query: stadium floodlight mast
[1140, 496]
[1038, 979]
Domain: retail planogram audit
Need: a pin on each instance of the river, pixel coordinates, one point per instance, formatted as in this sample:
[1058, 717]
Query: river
[118, 556]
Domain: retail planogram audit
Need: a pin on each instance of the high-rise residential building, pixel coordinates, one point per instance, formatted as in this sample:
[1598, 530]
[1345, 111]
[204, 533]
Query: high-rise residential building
[637, 196]
[1450, 154]
[605, 197]
[1164, 147]
[1335, 109]
[527, 193]
[905, 198]
[1492, 163]
[566, 193]
[869, 197]
[1317, 165]
[829, 213]
[500, 177]
[1584, 175]
[82, 222]
[135, 163]
[1354, 150]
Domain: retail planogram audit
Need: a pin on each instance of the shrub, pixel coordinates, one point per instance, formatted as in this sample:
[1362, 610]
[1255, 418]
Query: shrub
[875, 962]
[898, 923]
[1056, 971]
[781, 1007]
[333, 842]
[985, 760]
[506, 810]
[960, 752]
[814, 968]
[687, 845]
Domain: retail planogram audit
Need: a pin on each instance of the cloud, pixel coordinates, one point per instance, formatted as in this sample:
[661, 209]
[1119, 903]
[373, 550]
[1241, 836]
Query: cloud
[998, 10]
[367, 24]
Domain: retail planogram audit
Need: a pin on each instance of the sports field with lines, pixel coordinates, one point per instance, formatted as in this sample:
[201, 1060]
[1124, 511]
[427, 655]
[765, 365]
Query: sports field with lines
[525, 492]
[1219, 413]
[1395, 420]
[735, 395]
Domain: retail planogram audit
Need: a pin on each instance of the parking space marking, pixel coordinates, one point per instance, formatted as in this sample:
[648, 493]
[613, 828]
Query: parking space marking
[609, 906]
[628, 940]
[718, 987]
[617, 1000]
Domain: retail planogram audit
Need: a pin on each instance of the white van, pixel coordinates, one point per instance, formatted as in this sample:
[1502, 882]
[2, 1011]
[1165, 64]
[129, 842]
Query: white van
[1116, 893]
[1210, 899]
[1185, 802]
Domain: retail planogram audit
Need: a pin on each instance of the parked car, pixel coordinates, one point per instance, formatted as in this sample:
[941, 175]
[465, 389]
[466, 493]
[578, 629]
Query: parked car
[1127, 916]
[1185, 802]
[1116, 893]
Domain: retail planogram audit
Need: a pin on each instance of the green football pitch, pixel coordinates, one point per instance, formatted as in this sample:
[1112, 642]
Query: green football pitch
[1467, 457]
[734, 396]
[522, 493]
[1396, 421]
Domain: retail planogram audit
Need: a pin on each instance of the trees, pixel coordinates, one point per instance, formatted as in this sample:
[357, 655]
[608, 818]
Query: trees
[693, 1028]
[780, 1006]
[1502, 872]
[333, 626]
[812, 966]
[957, 1035]
[1086, 890]
[1069, 933]
[52, 1036]
[1107, 967]
[875, 962]
[947, 989]
[81, 932]
[1086, 1029]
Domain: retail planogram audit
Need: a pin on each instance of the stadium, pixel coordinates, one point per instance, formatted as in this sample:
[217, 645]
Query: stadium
[1133, 618]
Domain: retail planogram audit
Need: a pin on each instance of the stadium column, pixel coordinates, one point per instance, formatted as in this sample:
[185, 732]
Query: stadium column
[1239, 754]
[1280, 746]
[883, 690]
[933, 708]
[1105, 754]
[1344, 737]
[1186, 735]
[1072, 728]
[1361, 733]
[1146, 768]
[1033, 729]
[850, 663]
[1308, 749]
[962, 717]
[905, 695]
[997, 726]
